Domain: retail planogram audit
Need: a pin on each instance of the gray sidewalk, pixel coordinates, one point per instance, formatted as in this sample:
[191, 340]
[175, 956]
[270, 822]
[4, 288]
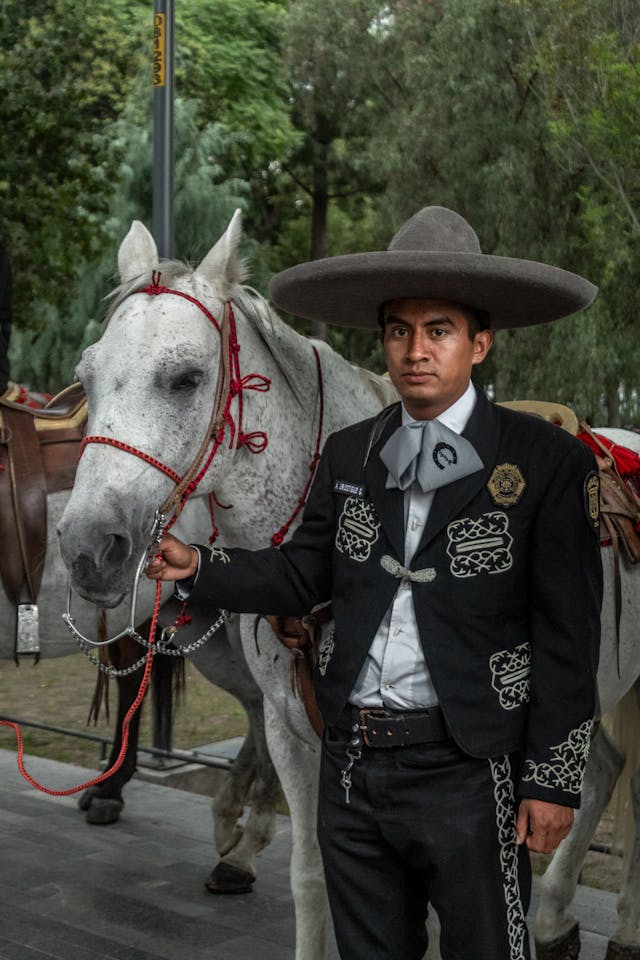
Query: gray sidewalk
[135, 890]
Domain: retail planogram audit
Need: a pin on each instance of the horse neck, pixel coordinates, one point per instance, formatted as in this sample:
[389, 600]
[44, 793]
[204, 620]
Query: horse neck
[264, 488]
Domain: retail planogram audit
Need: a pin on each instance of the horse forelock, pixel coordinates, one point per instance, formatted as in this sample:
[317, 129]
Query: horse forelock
[270, 328]
[172, 273]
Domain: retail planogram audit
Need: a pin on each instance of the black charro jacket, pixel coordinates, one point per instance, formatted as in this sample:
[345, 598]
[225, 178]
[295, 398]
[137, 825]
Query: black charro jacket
[507, 603]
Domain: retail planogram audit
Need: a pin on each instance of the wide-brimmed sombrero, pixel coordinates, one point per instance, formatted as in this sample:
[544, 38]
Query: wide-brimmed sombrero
[435, 255]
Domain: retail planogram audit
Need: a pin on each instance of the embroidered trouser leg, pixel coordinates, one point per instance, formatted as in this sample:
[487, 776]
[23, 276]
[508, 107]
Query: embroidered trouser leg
[424, 824]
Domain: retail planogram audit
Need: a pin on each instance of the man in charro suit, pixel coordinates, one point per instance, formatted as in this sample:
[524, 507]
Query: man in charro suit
[458, 543]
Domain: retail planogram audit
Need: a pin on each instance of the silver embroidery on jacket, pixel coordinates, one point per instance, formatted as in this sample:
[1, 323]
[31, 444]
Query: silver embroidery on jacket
[510, 671]
[326, 648]
[482, 545]
[358, 529]
[217, 553]
[506, 823]
[565, 769]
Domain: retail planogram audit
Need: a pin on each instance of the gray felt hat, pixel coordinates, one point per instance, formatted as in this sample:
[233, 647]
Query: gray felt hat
[435, 255]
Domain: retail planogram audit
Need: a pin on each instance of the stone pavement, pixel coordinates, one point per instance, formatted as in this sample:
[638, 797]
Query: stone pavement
[134, 890]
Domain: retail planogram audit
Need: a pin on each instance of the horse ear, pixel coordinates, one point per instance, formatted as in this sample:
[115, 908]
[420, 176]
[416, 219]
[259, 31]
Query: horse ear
[222, 267]
[138, 254]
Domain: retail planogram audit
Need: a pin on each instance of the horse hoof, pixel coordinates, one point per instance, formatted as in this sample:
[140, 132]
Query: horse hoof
[84, 801]
[102, 810]
[621, 951]
[225, 878]
[566, 947]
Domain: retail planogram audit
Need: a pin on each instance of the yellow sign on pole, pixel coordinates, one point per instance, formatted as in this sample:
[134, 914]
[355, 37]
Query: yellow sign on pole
[159, 49]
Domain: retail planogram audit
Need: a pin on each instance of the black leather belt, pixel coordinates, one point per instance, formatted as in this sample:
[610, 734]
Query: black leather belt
[384, 728]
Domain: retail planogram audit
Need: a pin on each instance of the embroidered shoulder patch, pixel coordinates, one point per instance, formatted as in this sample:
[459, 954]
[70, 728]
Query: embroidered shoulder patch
[506, 484]
[592, 499]
[480, 545]
[358, 529]
[350, 489]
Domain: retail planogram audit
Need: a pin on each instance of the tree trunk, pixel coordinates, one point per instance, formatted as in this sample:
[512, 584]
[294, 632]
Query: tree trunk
[613, 404]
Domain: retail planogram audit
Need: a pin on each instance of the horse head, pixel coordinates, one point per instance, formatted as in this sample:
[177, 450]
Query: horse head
[150, 382]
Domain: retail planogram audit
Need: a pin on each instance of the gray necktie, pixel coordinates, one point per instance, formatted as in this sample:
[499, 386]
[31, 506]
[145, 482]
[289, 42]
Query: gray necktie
[427, 452]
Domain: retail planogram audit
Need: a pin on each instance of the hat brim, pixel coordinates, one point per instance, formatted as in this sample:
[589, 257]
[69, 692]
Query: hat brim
[348, 290]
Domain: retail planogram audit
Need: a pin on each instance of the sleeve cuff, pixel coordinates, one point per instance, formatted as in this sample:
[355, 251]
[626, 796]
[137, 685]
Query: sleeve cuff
[184, 587]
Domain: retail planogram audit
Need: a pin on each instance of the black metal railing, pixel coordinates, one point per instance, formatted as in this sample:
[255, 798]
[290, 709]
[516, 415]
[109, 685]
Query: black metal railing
[184, 756]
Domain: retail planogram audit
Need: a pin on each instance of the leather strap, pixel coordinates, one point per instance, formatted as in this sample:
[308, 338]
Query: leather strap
[384, 728]
[23, 508]
[300, 636]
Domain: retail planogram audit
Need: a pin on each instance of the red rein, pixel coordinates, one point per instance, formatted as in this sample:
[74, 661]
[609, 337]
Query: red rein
[255, 442]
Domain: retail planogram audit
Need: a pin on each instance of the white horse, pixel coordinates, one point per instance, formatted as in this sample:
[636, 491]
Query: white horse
[151, 381]
[252, 770]
[556, 928]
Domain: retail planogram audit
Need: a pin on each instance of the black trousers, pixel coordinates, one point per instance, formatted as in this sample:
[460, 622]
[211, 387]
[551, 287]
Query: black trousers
[424, 824]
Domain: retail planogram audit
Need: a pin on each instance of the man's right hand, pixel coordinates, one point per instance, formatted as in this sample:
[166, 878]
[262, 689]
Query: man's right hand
[174, 560]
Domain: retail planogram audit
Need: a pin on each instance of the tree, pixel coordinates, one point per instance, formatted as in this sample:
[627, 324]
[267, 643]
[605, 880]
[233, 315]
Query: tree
[228, 60]
[471, 127]
[587, 56]
[204, 202]
[64, 76]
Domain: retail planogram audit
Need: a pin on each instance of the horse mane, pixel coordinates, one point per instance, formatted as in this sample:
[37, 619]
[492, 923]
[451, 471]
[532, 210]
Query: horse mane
[273, 331]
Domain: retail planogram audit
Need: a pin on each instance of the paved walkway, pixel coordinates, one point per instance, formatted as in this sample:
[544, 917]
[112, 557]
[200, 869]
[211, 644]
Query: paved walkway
[134, 890]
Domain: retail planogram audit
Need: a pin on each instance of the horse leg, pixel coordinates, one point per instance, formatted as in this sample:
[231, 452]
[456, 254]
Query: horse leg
[252, 774]
[625, 942]
[238, 846]
[556, 928]
[297, 763]
[103, 802]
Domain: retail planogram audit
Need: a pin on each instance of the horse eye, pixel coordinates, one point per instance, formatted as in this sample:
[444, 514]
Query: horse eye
[187, 381]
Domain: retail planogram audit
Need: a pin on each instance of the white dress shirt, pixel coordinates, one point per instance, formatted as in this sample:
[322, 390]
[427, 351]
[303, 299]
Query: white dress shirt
[395, 674]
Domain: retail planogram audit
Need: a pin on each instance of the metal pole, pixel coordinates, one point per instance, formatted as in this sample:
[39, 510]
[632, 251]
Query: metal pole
[162, 214]
[163, 95]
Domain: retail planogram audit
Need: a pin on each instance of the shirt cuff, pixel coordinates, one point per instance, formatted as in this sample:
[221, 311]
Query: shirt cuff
[184, 587]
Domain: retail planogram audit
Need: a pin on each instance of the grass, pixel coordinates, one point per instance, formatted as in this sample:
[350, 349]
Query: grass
[59, 692]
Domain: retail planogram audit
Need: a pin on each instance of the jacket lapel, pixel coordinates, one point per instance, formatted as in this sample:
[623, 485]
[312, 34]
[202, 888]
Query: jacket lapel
[483, 431]
[389, 504]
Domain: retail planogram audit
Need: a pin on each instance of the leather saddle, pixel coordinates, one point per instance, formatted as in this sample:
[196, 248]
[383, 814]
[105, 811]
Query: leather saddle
[38, 455]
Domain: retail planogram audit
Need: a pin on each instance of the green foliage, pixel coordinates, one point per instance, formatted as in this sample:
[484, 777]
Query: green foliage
[228, 59]
[330, 122]
[204, 203]
[64, 76]
[586, 54]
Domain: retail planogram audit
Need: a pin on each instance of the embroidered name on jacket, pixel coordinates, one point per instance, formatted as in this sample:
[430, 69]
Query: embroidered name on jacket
[510, 671]
[358, 529]
[565, 768]
[481, 545]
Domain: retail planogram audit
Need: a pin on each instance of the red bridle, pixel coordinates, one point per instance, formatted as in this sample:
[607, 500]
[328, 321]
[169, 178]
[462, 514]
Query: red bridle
[255, 442]
[185, 486]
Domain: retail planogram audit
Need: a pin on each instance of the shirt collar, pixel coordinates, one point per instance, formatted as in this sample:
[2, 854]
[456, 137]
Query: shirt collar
[456, 416]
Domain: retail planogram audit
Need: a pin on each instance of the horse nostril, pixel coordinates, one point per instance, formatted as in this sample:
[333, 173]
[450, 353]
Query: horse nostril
[114, 550]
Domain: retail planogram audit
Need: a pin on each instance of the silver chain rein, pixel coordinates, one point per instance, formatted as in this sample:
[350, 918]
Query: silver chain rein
[85, 643]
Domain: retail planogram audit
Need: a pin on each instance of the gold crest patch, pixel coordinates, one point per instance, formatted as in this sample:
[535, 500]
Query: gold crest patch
[592, 498]
[506, 484]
